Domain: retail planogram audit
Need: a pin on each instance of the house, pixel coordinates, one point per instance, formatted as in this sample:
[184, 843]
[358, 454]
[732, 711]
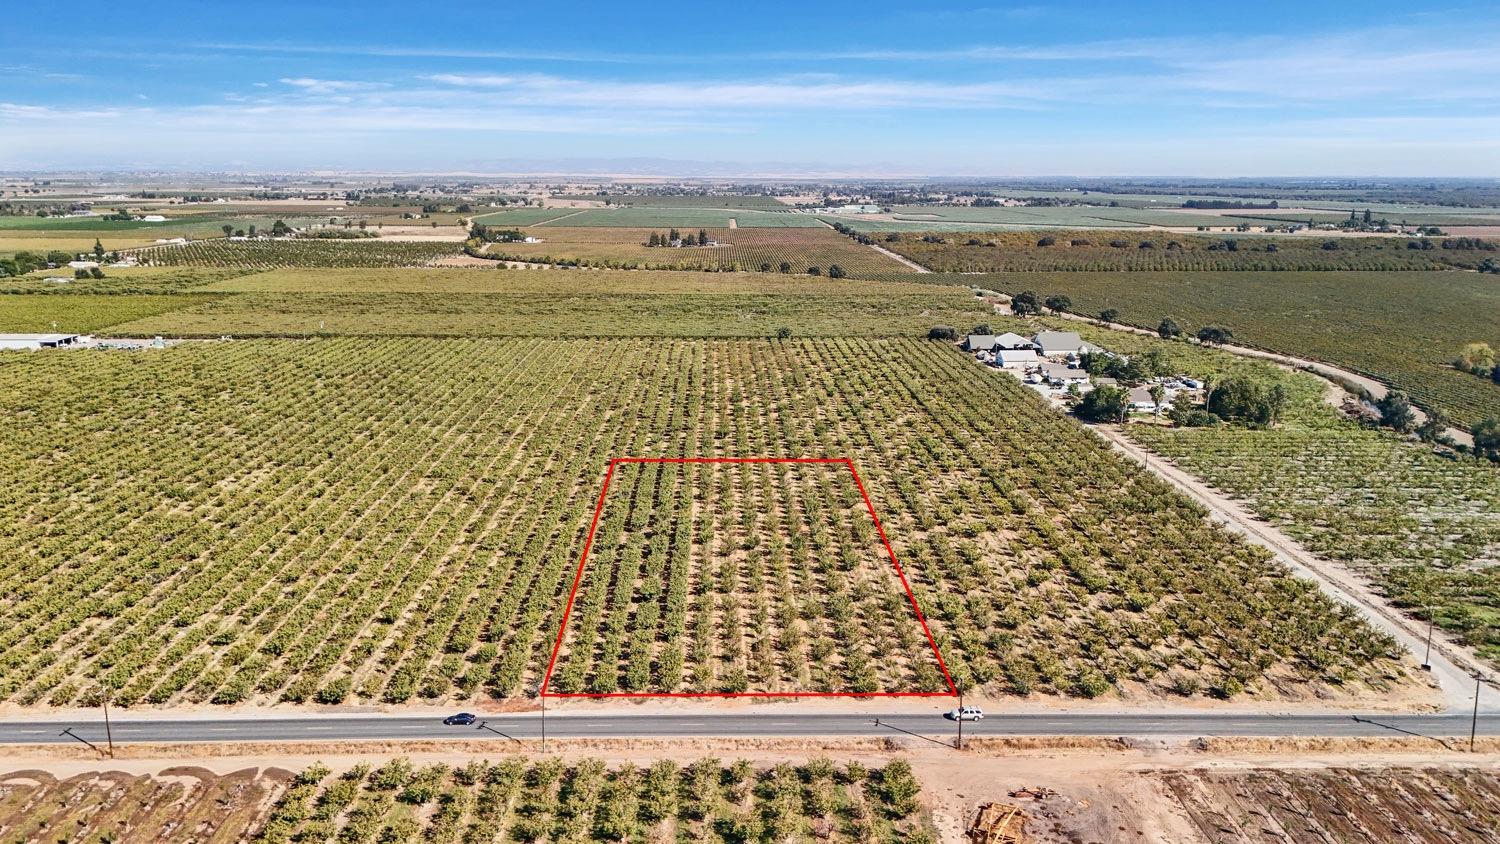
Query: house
[1062, 375]
[1011, 340]
[979, 342]
[1062, 343]
[1016, 358]
[33, 342]
[1140, 399]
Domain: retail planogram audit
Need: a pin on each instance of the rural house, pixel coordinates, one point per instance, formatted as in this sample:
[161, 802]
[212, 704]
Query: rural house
[1021, 359]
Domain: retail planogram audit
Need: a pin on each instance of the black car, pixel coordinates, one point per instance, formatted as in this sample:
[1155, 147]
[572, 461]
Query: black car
[462, 719]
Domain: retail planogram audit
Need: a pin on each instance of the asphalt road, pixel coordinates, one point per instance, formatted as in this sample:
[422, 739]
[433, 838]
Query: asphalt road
[528, 726]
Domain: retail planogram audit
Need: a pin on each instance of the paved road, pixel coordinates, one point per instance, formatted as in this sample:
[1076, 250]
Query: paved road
[528, 726]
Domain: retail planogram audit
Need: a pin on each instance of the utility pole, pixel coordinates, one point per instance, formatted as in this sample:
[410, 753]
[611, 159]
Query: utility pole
[1474, 724]
[1427, 657]
[108, 734]
[960, 721]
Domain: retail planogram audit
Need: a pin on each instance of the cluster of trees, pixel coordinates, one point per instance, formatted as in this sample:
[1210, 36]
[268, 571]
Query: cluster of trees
[1027, 303]
[674, 239]
[1220, 204]
[1478, 359]
[488, 234]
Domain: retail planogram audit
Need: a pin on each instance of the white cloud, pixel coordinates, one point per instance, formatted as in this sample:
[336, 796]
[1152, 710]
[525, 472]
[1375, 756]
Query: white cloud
[331, 86]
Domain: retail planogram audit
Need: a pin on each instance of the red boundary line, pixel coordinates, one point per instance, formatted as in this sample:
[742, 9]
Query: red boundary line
[589, 544]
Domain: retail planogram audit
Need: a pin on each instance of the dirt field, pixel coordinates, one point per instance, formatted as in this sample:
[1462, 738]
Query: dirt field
[1086, 790]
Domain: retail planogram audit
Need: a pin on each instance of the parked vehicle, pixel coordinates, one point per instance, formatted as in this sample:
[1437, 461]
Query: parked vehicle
[965, 713]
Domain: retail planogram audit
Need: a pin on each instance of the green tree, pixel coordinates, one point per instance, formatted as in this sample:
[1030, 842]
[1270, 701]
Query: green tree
[836, 271]
[1025, 304]
[1169, 329]
[982, 328]
[1109, 315]
[1158, 395]
[98, 250]
[942, 332]
[1104, 404]
[1057, 303]
[1396, 411]
[1487, 438]
[786, 267]
[227, 229]
[1214, 335]
[1434, 427]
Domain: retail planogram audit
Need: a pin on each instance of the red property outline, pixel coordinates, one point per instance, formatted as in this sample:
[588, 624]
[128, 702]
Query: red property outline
[589, 544]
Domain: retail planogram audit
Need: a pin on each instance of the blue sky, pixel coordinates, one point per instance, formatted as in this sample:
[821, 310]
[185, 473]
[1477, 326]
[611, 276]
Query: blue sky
[867, 88]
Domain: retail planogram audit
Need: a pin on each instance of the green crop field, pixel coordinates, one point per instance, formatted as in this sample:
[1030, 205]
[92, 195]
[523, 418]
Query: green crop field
[120, 280]
[742, 249]
[710, 218]
[1403, 328]
[506, 217]
[399, 518]
[82, 313]
[1092, 251]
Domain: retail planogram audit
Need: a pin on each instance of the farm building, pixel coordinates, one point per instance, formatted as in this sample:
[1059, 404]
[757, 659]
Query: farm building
[979, 342]
[1140, 399]
[1016, 358]
[1062, 343]
[32, 342]
[1062, 375]
[1012, 340]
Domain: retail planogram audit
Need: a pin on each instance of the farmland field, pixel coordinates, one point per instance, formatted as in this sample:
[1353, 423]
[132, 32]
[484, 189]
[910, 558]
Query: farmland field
[709, 218]
[447, 280]
[1092, 251]
[352, 519]
[268, 254]
[121, 280]
[42, 242]
[1062, 216]
[578, 313]
[744, 249]
[1402, 328]
[83, 313]
[753, 202]
[797, 594]
[503, 217]
[181, 805]
[1424, 529]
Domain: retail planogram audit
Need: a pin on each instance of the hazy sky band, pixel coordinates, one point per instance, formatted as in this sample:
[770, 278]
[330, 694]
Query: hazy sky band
[869, 88]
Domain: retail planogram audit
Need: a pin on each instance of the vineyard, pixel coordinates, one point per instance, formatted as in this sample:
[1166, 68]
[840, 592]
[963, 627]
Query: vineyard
[564, 282]
[82, 313]
[1402, 328]
[1088, 250]
[518, 799]
[1424, 529]
[767, 577]
[751, 201]
[579, 313]
[742, 248]
[270, 254]
[400, 519]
